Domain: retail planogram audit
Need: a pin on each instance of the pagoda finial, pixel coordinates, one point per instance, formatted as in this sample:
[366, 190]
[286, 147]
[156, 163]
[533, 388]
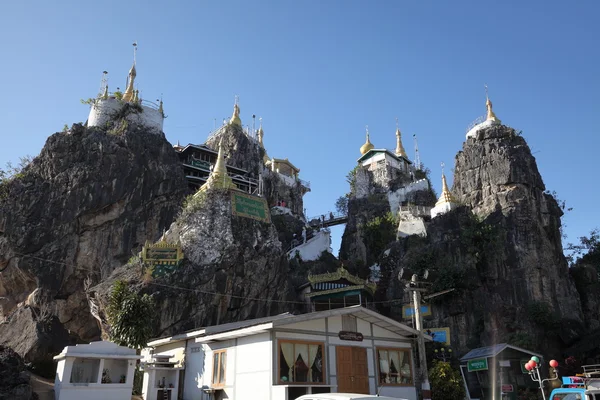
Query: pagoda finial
[446, 196]
[161, 110]
[368, 145]
[488, 104]
[260, 133]
[128, 95]
[235, 118]
[400, 152]
[218, 177]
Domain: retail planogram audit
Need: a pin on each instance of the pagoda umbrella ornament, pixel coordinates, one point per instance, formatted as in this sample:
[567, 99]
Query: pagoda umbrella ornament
[533, 366]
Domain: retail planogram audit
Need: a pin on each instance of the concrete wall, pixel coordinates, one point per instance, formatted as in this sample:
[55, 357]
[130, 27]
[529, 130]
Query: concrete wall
[398, 196]
[103, 110]
[253, 378]
[312, 249]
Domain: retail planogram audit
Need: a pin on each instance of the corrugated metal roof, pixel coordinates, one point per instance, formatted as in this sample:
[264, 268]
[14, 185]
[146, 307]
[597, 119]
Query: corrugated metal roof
[493, 351]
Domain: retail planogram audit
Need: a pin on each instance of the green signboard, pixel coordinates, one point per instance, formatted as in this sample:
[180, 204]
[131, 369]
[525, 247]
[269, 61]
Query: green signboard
[247, 206]
[478, 364]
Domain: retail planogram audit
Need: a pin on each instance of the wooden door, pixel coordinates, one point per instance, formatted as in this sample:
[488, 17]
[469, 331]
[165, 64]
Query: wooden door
[344, 369]
[360, 370]
[352, 370]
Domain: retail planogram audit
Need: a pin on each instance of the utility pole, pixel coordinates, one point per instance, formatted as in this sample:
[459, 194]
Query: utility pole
[416, 292]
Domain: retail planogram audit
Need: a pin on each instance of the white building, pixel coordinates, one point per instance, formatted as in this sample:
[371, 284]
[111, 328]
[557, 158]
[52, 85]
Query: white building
[351, 349]
[127, 105]
[95, 371]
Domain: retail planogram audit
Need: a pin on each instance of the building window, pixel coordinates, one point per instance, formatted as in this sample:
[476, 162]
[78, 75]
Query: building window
[395, 366]
[219, 363]
[349, 323]
[301, 362]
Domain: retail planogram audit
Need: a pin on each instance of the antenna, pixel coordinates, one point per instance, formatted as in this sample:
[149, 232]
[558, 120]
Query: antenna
[253, 125]
[417, 157]
[134, 51]
[103, 83]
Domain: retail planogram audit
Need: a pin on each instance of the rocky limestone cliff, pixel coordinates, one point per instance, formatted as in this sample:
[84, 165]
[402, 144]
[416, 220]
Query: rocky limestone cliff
[496, 175]
[377, 195]
[240, 150]
[501, 253]
[14, 381]
[235, 269]
[77, 212]
[243, 151]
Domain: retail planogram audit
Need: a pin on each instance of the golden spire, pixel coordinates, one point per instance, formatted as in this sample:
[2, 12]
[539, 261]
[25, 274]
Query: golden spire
[260, 134]
[488, 104]
[400, 152]
[235, 118]
[161, 109]
[446, 196]
[128, 95]
[368, 145]
[218, 177]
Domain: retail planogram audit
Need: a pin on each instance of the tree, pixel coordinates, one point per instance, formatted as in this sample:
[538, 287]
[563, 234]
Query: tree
[341, 205]
[446, 382]
[129, 316]
[587, 250]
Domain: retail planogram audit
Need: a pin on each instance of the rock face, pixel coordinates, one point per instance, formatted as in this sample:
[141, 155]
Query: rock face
[14, 381]
[497, 176]
[76, 212]
[501, 253]
[241, 150]
[235, 269]
[37, 335]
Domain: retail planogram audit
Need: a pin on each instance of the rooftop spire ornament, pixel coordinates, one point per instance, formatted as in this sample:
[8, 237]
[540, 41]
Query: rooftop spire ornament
[260, 133]
[446, 196]
[400, 152]
[368, 145]
[129, 92]
[235, 118]
[488, 104]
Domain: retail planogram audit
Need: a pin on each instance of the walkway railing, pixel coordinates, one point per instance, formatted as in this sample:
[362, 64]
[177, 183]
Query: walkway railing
[478, 121]
[329, 219]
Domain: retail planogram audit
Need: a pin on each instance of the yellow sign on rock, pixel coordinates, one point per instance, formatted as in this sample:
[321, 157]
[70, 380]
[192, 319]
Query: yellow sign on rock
[248, 206]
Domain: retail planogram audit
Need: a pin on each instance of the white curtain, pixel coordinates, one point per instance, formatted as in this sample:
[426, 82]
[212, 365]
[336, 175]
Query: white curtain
[384, 365]
[396, 360]
[302, 351]
[287, 349]
[313, 349]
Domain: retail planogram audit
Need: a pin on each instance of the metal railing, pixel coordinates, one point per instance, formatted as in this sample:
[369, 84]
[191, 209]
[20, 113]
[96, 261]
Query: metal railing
[304, 183]
[478, 121]
[330, 216]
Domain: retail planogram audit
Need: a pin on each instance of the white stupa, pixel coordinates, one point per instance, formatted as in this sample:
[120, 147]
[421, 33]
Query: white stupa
[482, 123]
[446, 202]
[107, 105]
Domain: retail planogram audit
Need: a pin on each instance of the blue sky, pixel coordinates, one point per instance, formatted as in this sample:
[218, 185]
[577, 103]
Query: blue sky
[317, 72]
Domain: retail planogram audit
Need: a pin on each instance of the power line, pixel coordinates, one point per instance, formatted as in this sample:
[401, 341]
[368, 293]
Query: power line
[211, 293]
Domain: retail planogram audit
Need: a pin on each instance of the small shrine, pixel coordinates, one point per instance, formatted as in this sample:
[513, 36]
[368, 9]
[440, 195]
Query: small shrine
[162, 257]
[129, 104]
[337, 290]
[446, 202]
[373, 158]
[99, 370]
[488, 120]
[219, 178]
[161, 377]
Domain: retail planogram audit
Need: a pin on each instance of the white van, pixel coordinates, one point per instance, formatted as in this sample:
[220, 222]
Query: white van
[344, 396]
